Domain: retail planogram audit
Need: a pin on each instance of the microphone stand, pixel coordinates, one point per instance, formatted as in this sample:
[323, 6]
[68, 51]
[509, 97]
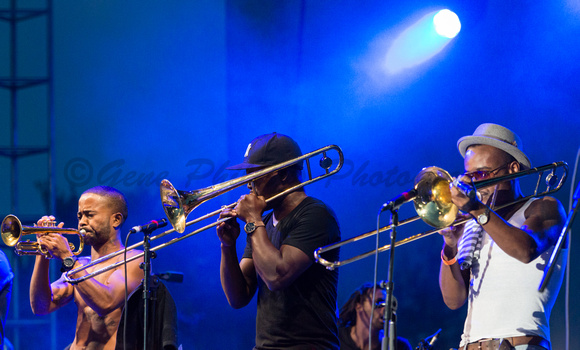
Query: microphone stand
[390, 329]
[560, 243]
[146, 266]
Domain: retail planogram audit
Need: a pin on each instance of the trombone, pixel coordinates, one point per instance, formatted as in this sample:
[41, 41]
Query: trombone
[434, 206]
[178, 204]
[13, 231]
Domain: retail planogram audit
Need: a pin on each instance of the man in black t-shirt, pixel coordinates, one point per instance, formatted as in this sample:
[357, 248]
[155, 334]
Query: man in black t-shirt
[296, 306]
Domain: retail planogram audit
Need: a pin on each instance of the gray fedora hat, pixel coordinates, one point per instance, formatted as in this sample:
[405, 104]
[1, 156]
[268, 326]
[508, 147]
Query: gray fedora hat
[496, 136]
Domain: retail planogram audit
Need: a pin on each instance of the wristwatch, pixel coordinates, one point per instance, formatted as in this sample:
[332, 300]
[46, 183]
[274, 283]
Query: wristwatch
[482, 219]
[68, 263]
[250, 227]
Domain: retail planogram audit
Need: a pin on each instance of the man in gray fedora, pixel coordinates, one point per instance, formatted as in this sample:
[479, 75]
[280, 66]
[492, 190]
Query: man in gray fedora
[495, 261]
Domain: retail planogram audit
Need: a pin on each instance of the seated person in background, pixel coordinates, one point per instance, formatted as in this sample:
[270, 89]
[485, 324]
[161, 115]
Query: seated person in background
[355, 318]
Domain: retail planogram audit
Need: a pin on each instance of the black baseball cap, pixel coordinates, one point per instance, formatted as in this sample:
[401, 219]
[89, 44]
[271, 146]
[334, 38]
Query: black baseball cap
[267, 150]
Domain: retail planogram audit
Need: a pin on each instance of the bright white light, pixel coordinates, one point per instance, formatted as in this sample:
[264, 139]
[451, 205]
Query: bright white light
[415, 45]
[446, 23]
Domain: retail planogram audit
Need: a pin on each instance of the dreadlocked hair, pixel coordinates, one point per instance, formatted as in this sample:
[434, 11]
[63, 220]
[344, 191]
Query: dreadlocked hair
[347, 314]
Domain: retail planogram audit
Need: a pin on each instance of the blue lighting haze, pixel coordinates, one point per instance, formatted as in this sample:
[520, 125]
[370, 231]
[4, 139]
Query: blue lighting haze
[420, 41]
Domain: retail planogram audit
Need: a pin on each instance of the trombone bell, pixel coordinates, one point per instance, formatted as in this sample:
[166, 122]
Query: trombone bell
[433, 202]
[178, 204]
[173, 206]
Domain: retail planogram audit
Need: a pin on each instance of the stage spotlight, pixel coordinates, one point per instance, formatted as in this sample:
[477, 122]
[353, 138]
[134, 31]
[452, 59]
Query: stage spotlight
[422, 40]
[446, 23]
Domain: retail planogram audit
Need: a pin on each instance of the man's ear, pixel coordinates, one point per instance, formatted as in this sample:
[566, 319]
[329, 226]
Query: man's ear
[514, 167]
[116, 220]
[283, 175]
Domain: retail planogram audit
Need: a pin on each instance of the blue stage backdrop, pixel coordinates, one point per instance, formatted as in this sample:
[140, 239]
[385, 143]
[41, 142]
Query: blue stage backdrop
[147, 90]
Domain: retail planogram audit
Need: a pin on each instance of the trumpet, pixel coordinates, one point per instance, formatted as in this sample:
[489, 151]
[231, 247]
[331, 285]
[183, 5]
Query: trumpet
[13, 232]
[433, 205]
[179, 204]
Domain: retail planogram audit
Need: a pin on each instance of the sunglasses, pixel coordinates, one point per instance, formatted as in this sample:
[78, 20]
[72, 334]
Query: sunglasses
[378, 303]
[483, 174]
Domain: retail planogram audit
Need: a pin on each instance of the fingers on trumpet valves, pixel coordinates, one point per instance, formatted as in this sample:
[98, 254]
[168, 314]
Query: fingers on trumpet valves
[46, 221]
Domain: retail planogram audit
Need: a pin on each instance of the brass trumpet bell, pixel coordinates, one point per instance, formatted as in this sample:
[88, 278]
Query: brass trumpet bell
[11, 230]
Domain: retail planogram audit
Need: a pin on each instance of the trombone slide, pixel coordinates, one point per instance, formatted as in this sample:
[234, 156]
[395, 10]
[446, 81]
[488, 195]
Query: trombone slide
[552, 184]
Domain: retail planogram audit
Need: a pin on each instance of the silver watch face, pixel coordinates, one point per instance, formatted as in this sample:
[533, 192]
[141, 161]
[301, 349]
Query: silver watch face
[483, 218]
[69, 262]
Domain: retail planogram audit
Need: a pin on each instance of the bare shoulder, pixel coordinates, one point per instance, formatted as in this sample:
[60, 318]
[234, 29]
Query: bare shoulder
[128, 254]
[546, 208]
[136, 256]
[83, 260]
[545, 218]
[133, 252]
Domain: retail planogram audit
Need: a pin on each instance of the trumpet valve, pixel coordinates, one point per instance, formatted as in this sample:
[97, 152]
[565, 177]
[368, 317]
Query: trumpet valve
[48, 223]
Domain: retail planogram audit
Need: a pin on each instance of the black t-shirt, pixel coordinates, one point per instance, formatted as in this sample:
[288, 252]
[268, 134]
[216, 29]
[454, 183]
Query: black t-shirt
[302, 316]
[346, 342]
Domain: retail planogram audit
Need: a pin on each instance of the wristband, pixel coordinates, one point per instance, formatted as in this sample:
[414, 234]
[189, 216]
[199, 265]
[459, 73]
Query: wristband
[448, 262]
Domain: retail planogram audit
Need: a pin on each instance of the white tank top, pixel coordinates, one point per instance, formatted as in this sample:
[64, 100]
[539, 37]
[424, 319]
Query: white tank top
[504, 300]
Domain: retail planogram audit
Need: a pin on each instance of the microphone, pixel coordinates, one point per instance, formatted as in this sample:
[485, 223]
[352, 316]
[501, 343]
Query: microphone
[399, 200]
[424, 344]
[150, 227]
[434, 337]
